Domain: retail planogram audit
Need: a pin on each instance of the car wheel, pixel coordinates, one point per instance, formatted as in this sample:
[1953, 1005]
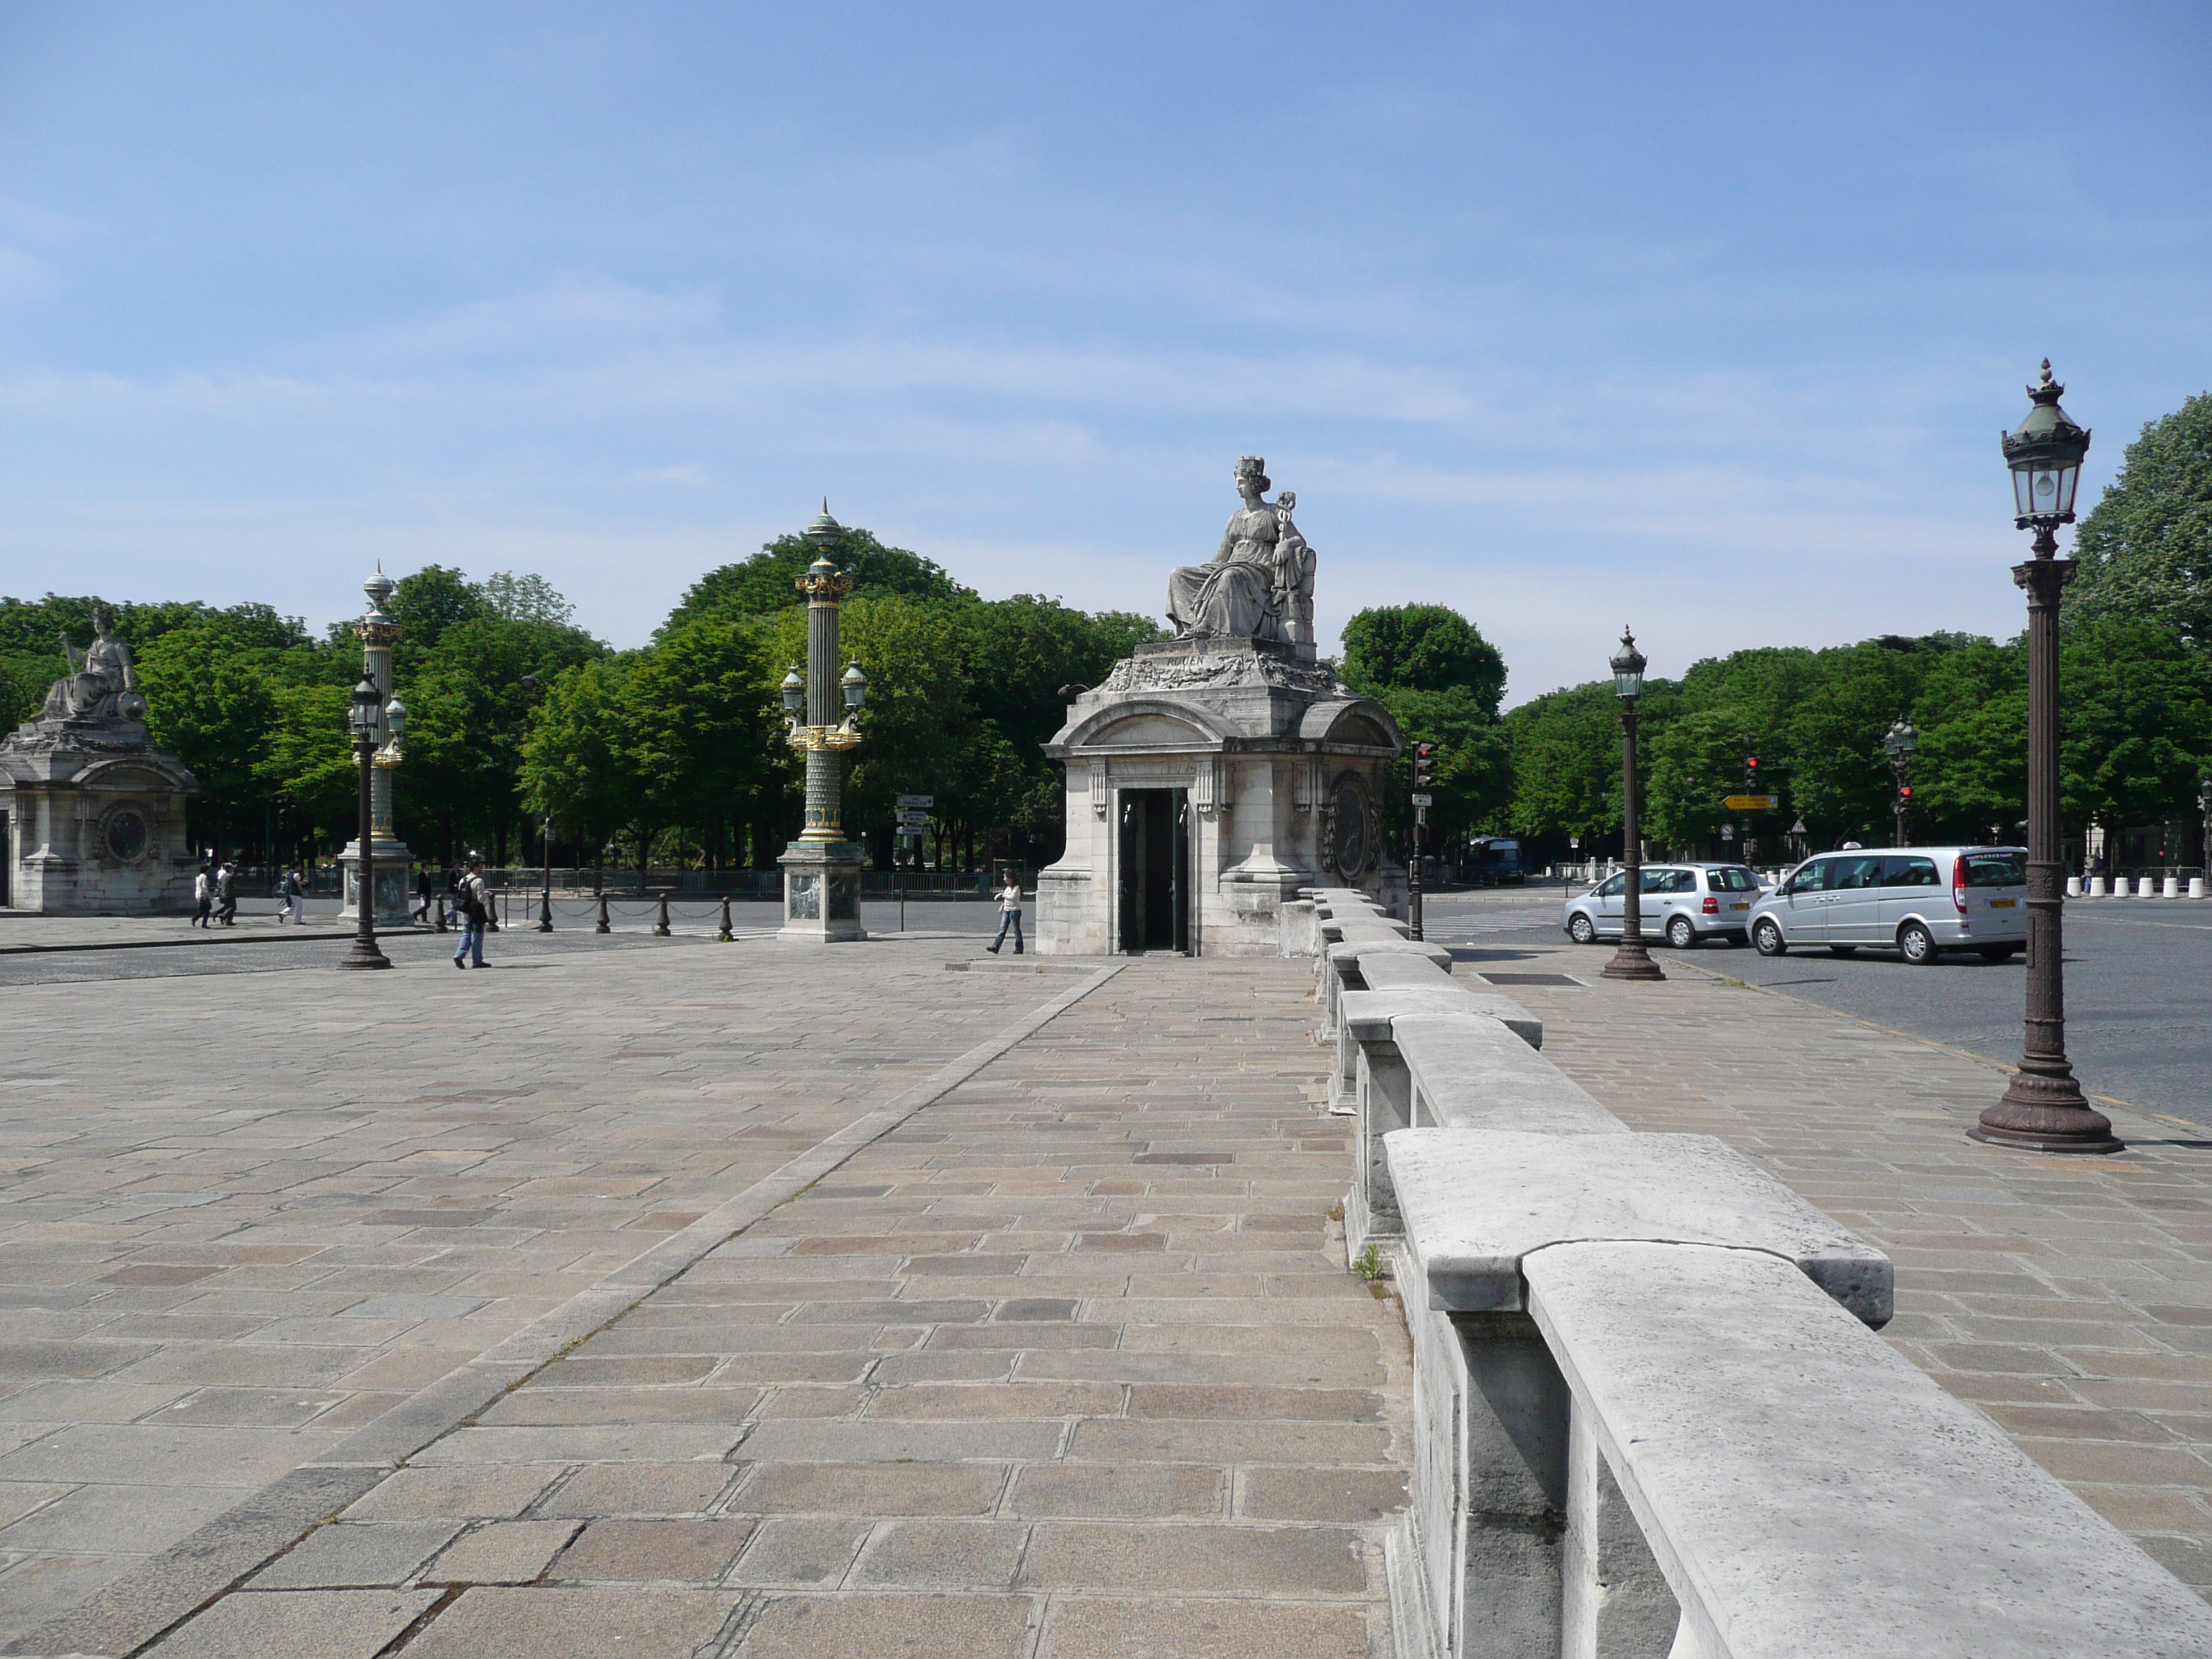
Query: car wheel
[1581, 930]
[1680, 933]
[1917, 944]
[1999, 953]
[1767, 939]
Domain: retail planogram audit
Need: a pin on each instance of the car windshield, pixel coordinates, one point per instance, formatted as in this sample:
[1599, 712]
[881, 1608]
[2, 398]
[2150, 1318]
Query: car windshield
[1613, 887]
[1732, 881]
[1997, 869]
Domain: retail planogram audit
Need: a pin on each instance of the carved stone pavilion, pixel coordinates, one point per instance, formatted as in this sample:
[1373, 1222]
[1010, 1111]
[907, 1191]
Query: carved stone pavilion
[92, 812]
[1214, 774]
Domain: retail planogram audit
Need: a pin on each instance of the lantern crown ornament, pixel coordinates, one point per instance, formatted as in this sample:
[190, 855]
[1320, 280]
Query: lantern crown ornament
[1627, 664]
[1904, 737]
[2044, 452]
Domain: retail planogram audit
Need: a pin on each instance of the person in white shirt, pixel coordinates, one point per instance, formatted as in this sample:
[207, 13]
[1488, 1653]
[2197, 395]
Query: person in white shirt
[202, 897]
[1009, 916]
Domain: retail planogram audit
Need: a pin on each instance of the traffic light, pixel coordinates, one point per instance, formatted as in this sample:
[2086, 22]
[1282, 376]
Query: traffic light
[1424, 765]
[1750, 774]
[1905, 794]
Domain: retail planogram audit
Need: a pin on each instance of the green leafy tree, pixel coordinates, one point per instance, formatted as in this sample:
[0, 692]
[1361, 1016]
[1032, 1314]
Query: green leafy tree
[1440, 680]
[578, 764]
[768, 581]
[2146, 547]
[468, 710]
[1566, 747]
[699, 730]
[425, 602]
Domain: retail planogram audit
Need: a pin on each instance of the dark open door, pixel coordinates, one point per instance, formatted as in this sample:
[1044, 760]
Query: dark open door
[1153, 900]
[1180, 902]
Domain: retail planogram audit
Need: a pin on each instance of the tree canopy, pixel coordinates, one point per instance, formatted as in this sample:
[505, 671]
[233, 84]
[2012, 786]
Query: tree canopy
[2146, 547]
[768, 581]
[1440, 680]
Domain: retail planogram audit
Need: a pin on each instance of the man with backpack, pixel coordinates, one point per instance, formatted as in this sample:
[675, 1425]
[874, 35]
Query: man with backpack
[292, 894]
[474, 899]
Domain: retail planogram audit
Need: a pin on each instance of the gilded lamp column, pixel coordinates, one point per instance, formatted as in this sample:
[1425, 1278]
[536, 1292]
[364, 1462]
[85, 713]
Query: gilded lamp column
[389, 858]
[822, 869]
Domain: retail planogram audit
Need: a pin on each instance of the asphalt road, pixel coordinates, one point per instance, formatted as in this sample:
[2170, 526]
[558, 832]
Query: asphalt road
[2138, 989]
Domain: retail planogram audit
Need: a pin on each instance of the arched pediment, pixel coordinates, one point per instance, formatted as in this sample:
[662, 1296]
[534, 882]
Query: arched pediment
[1358, 723]
[137, 772]
[1143, 723]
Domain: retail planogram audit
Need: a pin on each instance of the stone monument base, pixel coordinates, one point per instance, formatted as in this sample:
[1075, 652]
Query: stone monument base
[822, 892]
[1209, 781]
[394, 864]
[92, 821]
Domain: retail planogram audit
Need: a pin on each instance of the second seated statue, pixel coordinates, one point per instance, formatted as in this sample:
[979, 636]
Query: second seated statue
[1259, 585]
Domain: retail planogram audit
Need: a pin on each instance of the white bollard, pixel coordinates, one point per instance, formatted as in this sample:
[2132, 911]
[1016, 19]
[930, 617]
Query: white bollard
[2173, 887]
[2073, 887]
[2096, 887]
[2146, 886]
[2196, 887]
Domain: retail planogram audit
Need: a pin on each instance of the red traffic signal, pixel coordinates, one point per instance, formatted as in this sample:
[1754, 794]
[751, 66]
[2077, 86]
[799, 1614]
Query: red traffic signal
[1424, 765]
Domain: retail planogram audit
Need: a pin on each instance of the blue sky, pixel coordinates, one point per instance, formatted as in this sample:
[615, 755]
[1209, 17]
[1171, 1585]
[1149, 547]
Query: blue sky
[1706, 318]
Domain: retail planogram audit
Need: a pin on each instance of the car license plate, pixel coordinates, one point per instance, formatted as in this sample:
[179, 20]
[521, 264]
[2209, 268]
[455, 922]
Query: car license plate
[1739, 906]
[2003, 904]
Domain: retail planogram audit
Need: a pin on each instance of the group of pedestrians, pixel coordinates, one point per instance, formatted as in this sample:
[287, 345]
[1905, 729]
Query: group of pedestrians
[214, 895]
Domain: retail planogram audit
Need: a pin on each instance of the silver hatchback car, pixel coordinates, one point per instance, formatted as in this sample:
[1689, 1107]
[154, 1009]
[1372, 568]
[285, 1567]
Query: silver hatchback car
[1685, 904]
[1920, 902]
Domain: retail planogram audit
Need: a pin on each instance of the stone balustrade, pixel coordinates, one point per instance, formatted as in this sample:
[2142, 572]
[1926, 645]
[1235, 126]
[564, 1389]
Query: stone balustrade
[1650, 1414]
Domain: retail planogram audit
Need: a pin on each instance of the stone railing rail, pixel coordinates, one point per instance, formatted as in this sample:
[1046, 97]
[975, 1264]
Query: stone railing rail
[1650, 1414]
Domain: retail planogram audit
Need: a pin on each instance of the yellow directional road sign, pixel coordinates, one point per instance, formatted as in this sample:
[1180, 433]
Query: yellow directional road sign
[1753, 803]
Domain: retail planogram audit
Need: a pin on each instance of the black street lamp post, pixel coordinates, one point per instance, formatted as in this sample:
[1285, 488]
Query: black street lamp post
[363, 718]
[2044, 1109]
[1904, 737]
[545, 897]
[2204, 851]
[1631, 960]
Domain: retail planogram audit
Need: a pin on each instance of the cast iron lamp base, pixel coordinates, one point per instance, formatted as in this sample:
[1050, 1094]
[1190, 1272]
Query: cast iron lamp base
[2046, 1113]
[1631, 961]
[364, 954]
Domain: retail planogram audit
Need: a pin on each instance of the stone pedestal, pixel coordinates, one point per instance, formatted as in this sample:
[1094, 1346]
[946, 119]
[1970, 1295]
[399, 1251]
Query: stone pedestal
[1207, 781]
[95, 820]
[394, 865]
[822, 891]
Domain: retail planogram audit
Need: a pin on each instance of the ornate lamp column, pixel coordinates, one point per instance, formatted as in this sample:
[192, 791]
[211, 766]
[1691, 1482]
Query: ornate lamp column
[361, 719]
[1631, 960]
[1904, 737]
[389, 857]
[2044, 1110]
[822, 869]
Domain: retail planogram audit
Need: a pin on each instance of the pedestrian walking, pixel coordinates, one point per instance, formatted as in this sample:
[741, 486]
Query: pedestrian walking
[475, 910]
[1009, 915]
[226, 894]
[202, 896]
[422, 894]
[293, 894]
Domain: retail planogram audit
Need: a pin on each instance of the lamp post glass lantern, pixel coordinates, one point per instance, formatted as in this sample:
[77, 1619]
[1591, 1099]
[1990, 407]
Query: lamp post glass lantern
[1904, 737]
[362, 717]
[1631, 960]
[2044, 1109]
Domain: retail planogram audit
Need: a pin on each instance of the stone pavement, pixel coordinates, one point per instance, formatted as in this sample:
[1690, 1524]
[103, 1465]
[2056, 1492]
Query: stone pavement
[248, 1215]
[2067, 1298]
[1064, 1362]
[1066, 1365]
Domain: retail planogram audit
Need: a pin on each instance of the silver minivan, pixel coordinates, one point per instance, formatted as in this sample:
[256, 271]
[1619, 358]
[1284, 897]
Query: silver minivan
[1920, 902]
[1684, 904]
